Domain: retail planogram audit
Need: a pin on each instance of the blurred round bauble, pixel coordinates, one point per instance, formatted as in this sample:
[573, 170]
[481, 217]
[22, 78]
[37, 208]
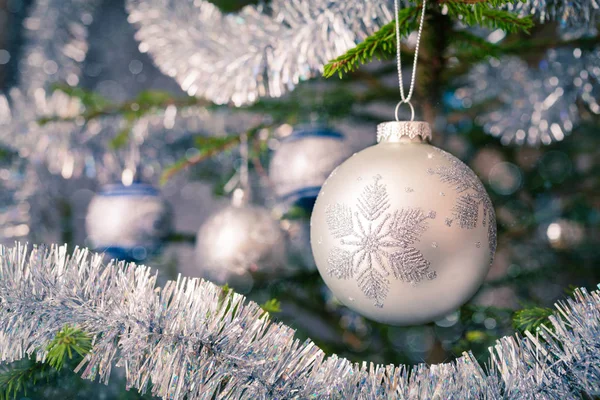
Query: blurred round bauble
[128, 222]
[240, 244]
[303, 161]
[403, 232]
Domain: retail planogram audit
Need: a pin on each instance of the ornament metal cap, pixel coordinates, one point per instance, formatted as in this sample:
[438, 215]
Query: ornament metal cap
[395, 131]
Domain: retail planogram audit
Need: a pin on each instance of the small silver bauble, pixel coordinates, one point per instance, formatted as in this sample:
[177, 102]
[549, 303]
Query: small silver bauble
[403, 232]
[128, 222]
[304, 160]
[240, 243]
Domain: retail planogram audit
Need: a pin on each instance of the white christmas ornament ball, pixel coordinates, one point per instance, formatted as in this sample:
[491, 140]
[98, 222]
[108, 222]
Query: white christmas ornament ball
[304, 160]
[403, 232]
[238, 244]
[128, 222]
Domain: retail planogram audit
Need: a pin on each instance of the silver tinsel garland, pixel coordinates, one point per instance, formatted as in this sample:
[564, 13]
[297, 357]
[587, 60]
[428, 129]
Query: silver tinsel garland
[192, 341]
[260, 51]
[266, 51]
[568, 13]
[536, 105]
[56, 34]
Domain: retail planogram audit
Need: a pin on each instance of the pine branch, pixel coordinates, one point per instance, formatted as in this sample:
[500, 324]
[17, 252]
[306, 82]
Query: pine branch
[96, 106]
[17, 377]
[472, 47]
[529, 319]
[271, 306]
[487, 15]
[67, 342]
[382, 43]
[379, 45]
[208, 147]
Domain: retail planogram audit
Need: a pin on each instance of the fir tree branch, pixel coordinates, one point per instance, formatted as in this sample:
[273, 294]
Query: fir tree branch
[208, 147]
[488, 14]
[379, 45]
[382, 43]
[271, 306]
[70, 344]
[17, 377]
[95, 106]
[529, 319]
[472, 47]
[66, 343]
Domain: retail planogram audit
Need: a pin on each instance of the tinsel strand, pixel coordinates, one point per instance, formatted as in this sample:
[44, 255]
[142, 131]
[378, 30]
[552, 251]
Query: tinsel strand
[56, 34]
[260, 51]
[191, 339]
[266, 51]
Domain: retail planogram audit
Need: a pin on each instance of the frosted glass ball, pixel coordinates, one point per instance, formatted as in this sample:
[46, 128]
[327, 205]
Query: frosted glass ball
[303, 161]
[403, 232]
[240, 244]
[128, 222]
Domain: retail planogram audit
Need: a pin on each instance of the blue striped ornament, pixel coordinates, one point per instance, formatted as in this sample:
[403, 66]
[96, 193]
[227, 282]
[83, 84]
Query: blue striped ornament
[303, 161]
[128, 222]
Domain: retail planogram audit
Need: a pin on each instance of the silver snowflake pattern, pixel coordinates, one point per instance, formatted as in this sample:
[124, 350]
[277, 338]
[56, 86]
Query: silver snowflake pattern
[472, 197]
[375, 243]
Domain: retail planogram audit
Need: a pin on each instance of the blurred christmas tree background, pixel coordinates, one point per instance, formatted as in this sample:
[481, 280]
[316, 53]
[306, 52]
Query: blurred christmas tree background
[520, 108]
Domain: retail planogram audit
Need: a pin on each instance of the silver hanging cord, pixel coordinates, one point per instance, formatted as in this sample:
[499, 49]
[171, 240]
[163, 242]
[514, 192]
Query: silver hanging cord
[241, 194]
[406, 99]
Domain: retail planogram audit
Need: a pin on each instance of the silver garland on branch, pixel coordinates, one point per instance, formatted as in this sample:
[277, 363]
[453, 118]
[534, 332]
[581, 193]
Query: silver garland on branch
[56, 34]
[190, 339]
[537, 105]
[267, 50]
[260, 51]
[568, 13]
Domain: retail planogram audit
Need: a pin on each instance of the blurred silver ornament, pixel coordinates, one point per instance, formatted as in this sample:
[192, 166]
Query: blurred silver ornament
[537, 105]
[128, 222]
[403, 232]
[303, 161]
[260, 51]
[238, 244]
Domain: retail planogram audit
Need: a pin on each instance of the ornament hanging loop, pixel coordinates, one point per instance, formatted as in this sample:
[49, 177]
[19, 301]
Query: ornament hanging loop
[412, 110]
[406, 98]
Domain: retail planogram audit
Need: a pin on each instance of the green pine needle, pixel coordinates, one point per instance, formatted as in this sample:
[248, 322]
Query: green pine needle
[271, 306]
[207, 148]
[380, 44]
[96, 106]
[89, 99]
[18, 376]
[530, 319]
[68, 341]
[486, 15]
[472, 47]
